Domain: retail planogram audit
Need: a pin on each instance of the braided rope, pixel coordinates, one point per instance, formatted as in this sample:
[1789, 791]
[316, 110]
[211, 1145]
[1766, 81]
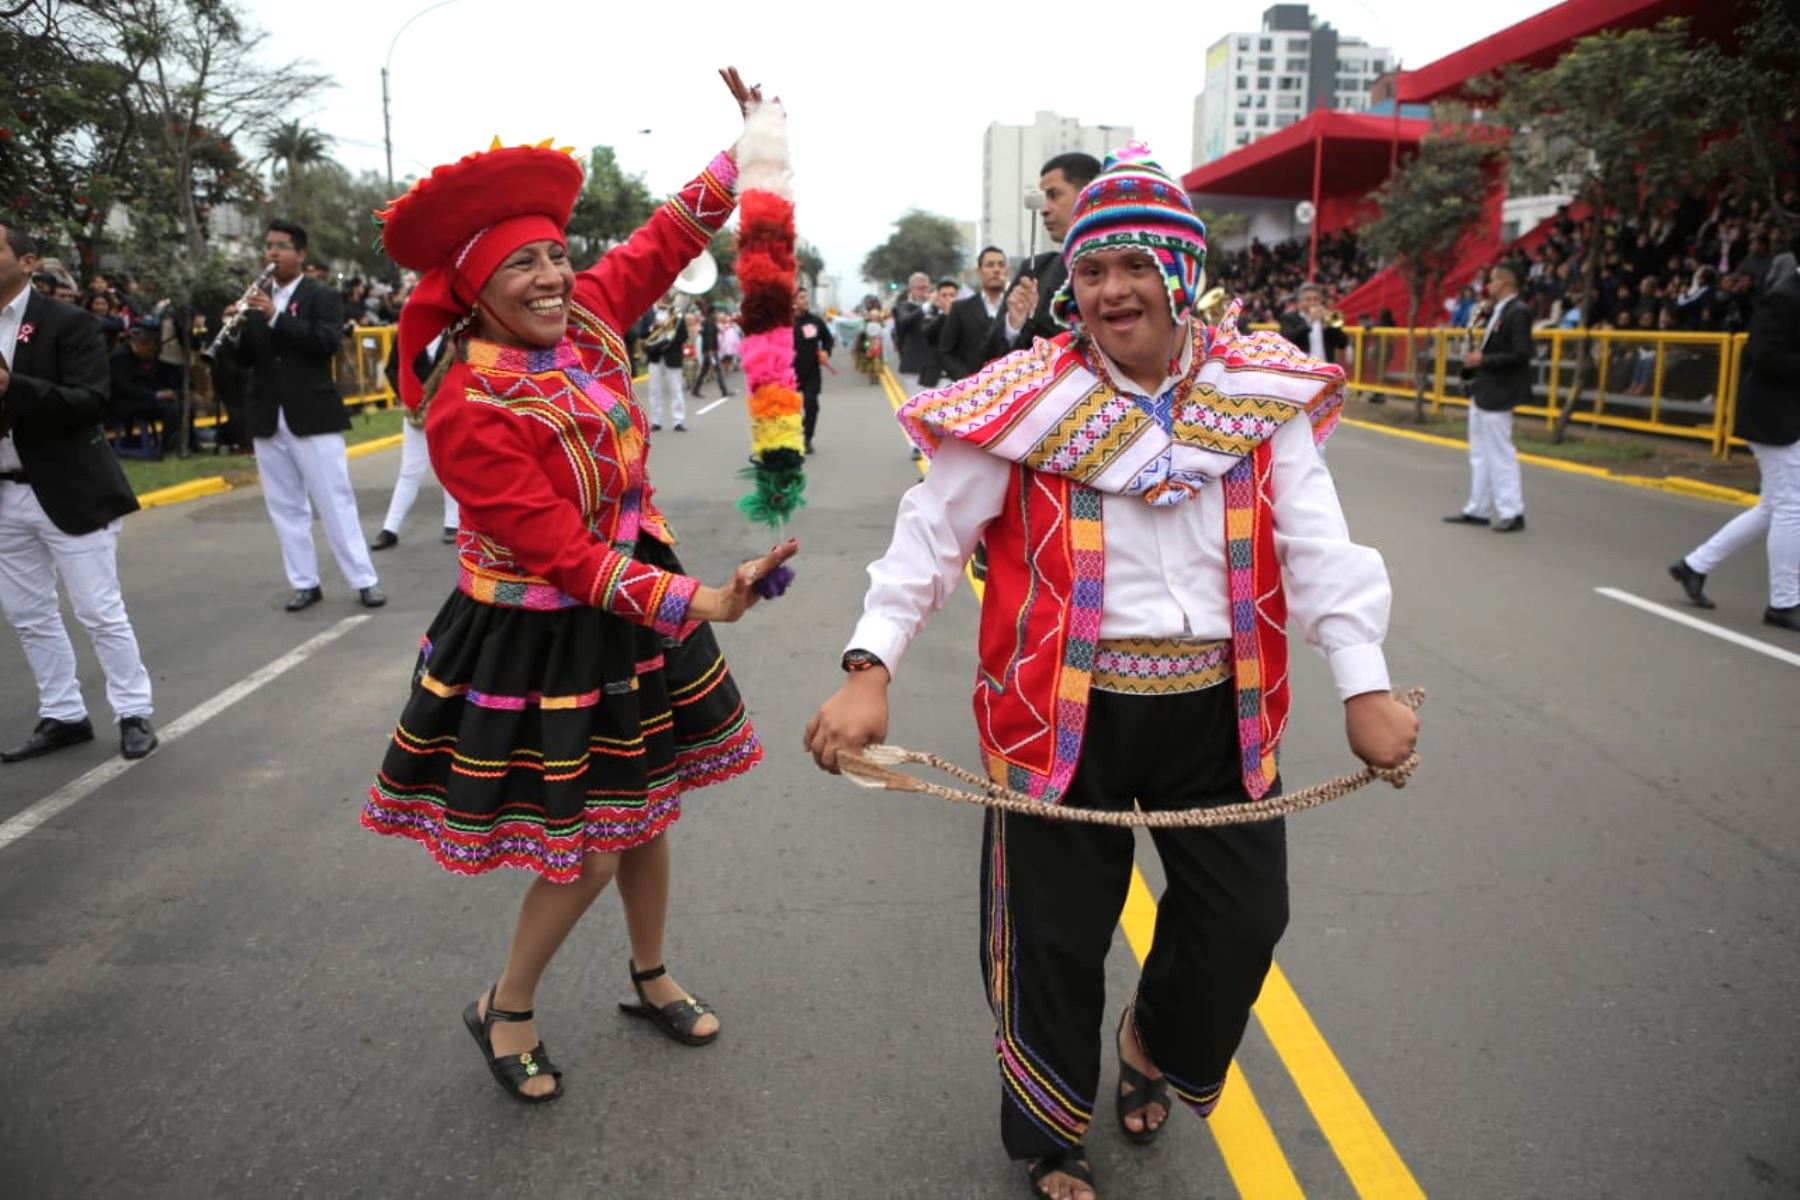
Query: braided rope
[874, 768]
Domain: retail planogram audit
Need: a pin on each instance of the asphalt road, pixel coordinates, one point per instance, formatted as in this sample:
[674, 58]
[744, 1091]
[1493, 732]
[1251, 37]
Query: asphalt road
[1561, 964]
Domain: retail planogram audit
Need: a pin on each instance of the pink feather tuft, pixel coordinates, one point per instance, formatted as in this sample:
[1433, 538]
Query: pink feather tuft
[769, 358]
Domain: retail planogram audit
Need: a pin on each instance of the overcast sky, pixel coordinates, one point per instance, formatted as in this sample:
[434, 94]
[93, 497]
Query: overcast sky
[887, 102]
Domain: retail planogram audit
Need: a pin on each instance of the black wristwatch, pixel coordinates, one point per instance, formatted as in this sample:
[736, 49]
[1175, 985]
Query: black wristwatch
[860, 660]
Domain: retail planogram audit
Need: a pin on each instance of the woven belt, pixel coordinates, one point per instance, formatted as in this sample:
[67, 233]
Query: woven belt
[14, 477]
[513, 593]
[1159, 666]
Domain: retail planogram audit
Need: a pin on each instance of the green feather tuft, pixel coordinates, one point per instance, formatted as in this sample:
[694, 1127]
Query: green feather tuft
[775, 495]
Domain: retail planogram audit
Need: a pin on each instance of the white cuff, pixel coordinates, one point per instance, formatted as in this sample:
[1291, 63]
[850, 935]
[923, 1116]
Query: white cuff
[882, 638]
[1358, 669]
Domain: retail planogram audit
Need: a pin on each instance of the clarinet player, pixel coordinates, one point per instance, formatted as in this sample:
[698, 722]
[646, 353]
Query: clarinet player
[288, 339]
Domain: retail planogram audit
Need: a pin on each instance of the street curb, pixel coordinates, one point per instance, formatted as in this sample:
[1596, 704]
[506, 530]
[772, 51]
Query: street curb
[1681, 486]
[372, 447]
[193, 489]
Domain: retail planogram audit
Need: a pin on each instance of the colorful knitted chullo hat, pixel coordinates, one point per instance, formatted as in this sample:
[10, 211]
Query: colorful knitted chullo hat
[1134, 204]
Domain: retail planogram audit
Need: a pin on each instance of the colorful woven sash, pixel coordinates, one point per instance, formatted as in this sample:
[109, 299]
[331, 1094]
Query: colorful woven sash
[1159, 666]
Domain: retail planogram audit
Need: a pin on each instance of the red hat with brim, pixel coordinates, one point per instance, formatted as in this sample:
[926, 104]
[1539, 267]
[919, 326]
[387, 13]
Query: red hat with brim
[456, 226]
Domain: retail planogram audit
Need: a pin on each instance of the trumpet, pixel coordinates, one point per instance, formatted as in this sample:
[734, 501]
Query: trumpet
[1335, 318]
[1211, 306]
[233, 325]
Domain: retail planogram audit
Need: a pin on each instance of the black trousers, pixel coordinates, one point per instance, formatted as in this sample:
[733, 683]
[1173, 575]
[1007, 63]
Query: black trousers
[1052, 894]
[809, 395]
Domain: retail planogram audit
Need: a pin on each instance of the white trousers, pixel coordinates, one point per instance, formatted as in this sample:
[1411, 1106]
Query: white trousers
[415, 460]
[1494, 486]
[1775, 519]
[295, 470]
[33, 554]
[667, 396]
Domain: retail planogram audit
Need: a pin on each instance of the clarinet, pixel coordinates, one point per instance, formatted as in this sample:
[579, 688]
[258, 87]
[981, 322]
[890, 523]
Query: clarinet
[234, 324]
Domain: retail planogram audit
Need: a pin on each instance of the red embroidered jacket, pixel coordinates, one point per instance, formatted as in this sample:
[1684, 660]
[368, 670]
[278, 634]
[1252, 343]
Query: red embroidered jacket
[546, 451]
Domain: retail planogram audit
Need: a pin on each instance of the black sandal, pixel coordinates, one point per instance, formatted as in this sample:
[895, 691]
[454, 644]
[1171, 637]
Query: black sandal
[1144, 1092]
[1071, 1162]
[513, 1070]
[676, 1018]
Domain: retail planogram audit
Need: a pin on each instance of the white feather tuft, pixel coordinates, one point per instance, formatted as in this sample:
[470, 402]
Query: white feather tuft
[762, 151]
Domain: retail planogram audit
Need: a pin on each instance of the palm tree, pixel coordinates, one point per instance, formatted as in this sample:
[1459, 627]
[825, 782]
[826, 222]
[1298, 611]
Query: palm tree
[291, 145]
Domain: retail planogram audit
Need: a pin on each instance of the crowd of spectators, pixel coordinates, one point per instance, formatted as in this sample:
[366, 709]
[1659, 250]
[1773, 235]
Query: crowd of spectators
[1268, 277]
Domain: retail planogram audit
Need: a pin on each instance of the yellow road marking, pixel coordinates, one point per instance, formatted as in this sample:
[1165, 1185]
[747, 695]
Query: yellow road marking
[1246, 1141]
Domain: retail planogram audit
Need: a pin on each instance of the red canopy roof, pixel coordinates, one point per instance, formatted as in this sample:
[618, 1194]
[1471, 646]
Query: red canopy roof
[1538, 41]
[1358, 150]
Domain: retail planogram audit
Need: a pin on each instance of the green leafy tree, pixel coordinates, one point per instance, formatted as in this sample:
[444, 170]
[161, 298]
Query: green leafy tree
[810, 262]
[1429, 209]
[610, 208]
[1754, 94]
[921, 241]
[1613, 121]
[1223, 226]
[337, 209]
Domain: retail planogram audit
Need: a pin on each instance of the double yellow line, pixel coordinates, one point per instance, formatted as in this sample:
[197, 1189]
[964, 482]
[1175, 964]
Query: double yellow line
[1252, 1153]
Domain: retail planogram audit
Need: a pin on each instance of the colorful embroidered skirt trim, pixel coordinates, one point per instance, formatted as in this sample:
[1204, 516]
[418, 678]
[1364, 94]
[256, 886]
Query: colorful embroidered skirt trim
[513, 593]
[533, 738]
[1159, 666]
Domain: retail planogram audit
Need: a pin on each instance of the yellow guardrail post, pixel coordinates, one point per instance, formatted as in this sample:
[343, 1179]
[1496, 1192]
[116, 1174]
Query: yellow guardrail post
[1656, 382]
[1721, 431]
[1556, 348]
[1602, 367]
[1441, 352]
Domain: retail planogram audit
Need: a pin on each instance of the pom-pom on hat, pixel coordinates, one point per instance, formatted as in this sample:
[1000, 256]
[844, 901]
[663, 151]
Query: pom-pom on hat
[456, 225]
[1134, 204]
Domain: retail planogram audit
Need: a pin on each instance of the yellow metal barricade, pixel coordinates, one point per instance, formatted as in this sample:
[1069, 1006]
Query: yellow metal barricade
[361, 366]
[1670, 383]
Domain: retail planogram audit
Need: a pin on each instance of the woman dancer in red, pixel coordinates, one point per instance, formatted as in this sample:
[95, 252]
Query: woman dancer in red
[569, 692]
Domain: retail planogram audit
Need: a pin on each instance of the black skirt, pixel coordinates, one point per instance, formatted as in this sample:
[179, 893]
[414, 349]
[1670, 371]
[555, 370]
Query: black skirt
[533, 738]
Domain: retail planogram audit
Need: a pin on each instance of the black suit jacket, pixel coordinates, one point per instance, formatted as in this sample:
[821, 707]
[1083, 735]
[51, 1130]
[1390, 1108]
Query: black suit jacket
[962, 339]
[1051, 273]
[1769, 397]
[1296, 329]
[290, 364]
[1503, 380]
[806, 349]
[55, 405]
[669, 353]
[913, 336]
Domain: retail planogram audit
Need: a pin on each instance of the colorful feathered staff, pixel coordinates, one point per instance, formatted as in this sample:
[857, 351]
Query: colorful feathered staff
[765, 270]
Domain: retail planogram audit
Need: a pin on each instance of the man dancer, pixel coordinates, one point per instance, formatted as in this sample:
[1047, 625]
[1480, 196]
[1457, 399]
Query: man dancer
[813, 344]
[1502, 381]
[297, 419]
[1130, 479]
[61, 496]
[1768, 418]
[1028, 315]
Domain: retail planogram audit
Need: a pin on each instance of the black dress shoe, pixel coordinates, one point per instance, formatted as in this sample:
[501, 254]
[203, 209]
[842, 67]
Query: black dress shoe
[49, 735]
[1463, 518]
[1511, 524]
[372, 597]
[680, 427]
[1692, 582]
[1783, 618]
[304, 598]
[384, 540]
[136, 738]
[449, 535]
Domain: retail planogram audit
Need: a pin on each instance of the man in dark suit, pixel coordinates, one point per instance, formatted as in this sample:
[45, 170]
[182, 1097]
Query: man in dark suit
[963, 337]
[1500, 374]
[1768, 417]
[813, 344]
[663, 334]
[1309, 327]
[912, 337]
[61, 496]
[1028, 303]
[297, 418]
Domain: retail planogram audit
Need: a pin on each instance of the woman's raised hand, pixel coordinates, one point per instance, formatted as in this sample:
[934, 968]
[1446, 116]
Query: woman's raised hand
[737, 597]
[745, 96]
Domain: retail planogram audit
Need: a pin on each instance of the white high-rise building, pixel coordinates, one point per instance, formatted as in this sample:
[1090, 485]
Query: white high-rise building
[1259, 82]
[1011, 158]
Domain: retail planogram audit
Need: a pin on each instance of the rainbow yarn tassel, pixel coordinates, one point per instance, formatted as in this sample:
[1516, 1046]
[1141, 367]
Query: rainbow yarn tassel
[765, 269]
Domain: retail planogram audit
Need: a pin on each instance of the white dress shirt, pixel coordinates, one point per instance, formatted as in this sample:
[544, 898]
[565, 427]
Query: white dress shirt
[281, 295]
[12, 317]
[1165, 566]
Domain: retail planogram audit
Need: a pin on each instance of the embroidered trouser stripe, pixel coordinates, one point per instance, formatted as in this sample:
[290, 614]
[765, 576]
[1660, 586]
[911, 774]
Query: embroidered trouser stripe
[1052, 895]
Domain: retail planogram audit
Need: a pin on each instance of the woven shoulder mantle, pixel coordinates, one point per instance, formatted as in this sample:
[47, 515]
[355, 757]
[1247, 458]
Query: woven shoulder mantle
[1048, 408]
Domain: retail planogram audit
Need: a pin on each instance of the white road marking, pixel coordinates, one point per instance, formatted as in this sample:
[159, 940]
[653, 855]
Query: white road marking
[713, 405]
[1692, 622]
[78, 789]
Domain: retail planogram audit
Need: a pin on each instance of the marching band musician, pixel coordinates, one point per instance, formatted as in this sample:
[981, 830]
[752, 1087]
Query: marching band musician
[664, 335]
